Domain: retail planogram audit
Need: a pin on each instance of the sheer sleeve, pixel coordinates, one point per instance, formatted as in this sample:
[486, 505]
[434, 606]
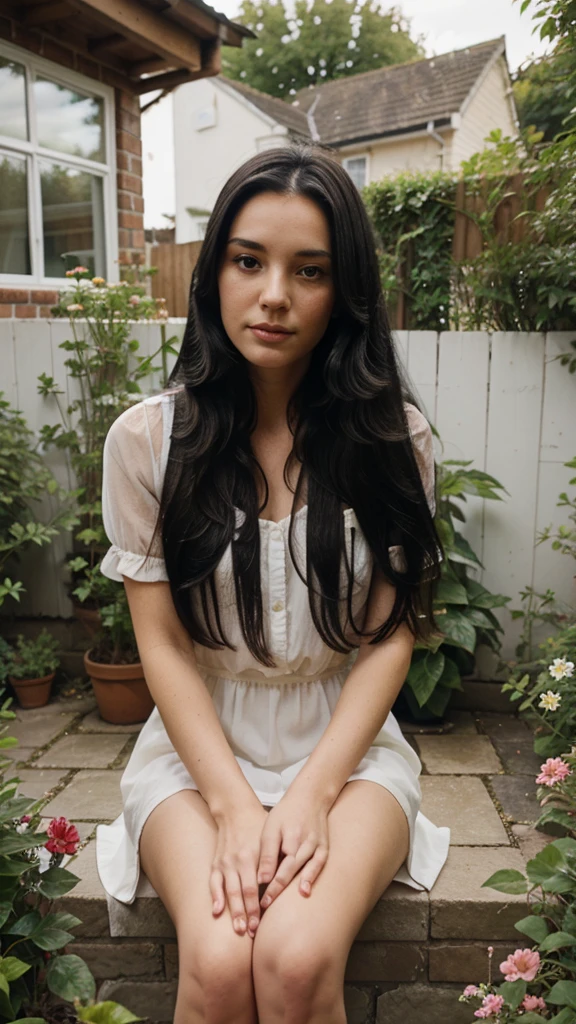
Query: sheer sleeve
[131, 490]
[423, 445]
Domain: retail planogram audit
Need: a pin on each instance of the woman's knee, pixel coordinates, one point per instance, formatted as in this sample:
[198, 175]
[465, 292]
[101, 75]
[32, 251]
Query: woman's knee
[296, 973]
[215, 976]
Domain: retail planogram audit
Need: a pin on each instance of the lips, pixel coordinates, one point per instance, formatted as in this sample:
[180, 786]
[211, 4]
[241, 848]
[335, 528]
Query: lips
[270, 332]
[271, 328]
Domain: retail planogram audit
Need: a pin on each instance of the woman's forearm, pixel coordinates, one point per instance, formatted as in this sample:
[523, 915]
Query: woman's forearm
[366, 699]
[191, 721]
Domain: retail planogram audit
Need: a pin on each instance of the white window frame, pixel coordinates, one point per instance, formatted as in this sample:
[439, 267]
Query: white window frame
[32, 152]
[358, 156]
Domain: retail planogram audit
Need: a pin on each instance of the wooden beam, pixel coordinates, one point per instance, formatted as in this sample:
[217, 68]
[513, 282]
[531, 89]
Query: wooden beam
[47, 12]
[145, 28]
[107, 44]
[147, 67]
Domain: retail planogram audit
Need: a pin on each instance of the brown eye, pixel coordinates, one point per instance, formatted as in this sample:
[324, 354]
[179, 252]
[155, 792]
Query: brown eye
[237, 260]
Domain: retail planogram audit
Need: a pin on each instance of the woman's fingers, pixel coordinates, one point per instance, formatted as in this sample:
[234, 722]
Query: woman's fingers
[289, 867]
[312, 869]
[251, 902]
[269, 853]
[217, 892]
[236, 902]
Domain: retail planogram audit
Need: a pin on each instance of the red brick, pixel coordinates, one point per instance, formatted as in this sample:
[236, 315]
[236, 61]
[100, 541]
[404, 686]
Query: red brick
[29, 311]
[130, 143]
[123, 161]
[129, 220]
[138, 240]
[136, 165]
[125, 201]
[129, 183]
[128, 122]
[138, 204]
[45, 311]
[128, 101]
[14, 295]
[44, 296]
[124, 238]
[6, 311]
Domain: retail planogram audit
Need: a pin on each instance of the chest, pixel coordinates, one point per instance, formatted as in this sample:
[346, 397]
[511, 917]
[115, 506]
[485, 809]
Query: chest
[272, 452]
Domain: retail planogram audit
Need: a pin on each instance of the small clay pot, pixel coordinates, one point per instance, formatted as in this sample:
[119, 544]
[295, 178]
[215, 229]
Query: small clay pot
[121, 691]
[32, 693]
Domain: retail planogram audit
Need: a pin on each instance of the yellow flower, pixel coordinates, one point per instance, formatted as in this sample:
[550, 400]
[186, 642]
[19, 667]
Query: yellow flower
[98, 281]
[550, 701]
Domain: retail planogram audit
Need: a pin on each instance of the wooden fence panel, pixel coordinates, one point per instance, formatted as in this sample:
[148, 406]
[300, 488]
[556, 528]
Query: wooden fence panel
[175, 265]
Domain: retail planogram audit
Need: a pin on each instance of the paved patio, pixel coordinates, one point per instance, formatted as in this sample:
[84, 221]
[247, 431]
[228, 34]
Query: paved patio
[477, 778]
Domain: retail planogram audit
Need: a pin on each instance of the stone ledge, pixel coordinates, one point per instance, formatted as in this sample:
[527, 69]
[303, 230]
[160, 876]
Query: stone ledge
[461, 909]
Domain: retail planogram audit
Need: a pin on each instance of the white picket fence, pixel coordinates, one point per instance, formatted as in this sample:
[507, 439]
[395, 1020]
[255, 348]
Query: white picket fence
[502, 400]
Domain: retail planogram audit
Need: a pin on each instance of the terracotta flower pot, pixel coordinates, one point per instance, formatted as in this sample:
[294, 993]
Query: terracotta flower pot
[90, 619]
[121, 691]
[32, 693]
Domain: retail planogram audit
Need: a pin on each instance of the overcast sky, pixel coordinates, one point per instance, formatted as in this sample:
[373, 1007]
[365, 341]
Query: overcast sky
[452, 24]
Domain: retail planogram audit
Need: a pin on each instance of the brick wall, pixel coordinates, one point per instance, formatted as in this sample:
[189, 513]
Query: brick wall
[37, 302]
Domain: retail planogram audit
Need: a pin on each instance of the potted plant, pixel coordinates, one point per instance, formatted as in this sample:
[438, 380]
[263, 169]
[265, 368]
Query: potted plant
[30, 668]
[114, 667]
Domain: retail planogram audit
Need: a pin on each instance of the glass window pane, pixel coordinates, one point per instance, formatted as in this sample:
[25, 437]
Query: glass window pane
[13, 120]
[69, 121]
[356, 168]
[73, 220]
[14, 241]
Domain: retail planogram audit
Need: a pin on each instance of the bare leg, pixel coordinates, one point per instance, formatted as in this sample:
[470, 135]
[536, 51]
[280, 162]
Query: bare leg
[215, 964]
[302, 944]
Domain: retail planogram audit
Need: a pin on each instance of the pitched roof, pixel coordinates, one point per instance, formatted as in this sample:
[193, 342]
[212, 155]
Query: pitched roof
[284, 113]
[398, 98]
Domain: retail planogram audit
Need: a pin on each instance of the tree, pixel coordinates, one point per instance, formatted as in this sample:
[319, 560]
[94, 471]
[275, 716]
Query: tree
[555, 21]
[541, 96]
[320, 41]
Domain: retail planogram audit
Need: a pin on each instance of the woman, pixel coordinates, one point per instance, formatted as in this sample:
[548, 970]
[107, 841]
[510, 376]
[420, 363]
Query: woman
[275, 605]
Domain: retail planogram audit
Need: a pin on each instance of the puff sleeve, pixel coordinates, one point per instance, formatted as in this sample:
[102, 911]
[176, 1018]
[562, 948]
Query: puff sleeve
[422, 442]
[131, 490]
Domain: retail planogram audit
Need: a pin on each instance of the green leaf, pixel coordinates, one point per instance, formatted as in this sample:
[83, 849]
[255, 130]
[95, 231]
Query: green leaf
[507, 880]
[458, 630]
[451, 675]
[534, 927]
[29, 1020]
[424, 674]
[462, 552]
[69, 977]
[513, 992]
[11, 967]
[544, 864]
[565, 1016]
[107, 1013]
[557, 940]
[450, 592]
[56, 882]
[482, 598]
[563, 993]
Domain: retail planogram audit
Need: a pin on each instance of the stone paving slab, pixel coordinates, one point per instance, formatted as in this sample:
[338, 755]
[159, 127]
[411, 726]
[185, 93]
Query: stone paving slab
[518, 757]
[503, 727]
[531, 841]
[94, 723]
[461, 909]
[36, 782]
[83, 750]
[517, 795]
[34, 728]
[18, 754]
[92, 795]
[464, 723]
[455, 755]
[465, 805]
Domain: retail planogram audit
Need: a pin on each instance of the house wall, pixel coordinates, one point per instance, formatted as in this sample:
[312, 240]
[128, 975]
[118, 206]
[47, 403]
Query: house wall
[204, 158]
[489, 108]
[18, 302]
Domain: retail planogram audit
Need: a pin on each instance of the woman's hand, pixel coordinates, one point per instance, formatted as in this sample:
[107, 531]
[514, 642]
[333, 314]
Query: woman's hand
[297, 828]
[233, 878]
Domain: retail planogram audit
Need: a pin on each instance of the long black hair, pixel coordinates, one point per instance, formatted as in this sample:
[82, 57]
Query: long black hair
[347, 418]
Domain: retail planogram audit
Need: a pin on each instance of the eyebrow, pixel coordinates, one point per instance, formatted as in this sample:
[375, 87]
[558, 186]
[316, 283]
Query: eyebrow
[247, 244]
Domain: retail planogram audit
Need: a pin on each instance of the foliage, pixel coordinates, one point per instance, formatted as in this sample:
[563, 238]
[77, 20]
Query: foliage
[463, 607]
[35, 965]
[413, 216]
[541, 99]
[564, 539]
[32, 659]
[556, 22]
[304, 44]
[108, 372]
[24, 479]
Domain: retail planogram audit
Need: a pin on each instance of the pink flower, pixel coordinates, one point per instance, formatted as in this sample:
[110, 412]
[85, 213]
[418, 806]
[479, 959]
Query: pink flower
[471, 990]
[26, 817]
[533, 1003]
[64, 837]
[134, 300]
[552, 771]
[491, 1006]
[523, 963]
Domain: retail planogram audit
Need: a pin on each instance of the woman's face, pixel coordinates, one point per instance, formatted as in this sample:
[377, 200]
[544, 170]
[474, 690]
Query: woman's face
[276, 272]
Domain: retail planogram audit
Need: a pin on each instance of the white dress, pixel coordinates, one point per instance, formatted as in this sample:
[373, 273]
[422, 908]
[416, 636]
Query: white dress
[272, 717]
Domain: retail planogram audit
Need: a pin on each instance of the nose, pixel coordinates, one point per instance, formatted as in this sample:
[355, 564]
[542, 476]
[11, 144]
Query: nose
[275, 293]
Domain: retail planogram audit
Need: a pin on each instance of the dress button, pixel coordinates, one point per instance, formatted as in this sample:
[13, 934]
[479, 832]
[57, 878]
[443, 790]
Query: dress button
[278, 606]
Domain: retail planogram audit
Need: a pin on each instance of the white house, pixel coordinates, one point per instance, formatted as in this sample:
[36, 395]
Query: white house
[424, 115]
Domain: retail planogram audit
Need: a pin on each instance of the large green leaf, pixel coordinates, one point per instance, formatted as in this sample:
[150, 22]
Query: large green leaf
[458, 630]
[535, 928]
[56, 882]
[450, 592]
[460, 551]
[439, 700]
[513, 992]
[451, 677]
[482, 598]
[563, 993]
[557, 940]
[11, 967]
[68, 976]
[107, 1012]
[424, 674]
[507, 880]
[545, 864]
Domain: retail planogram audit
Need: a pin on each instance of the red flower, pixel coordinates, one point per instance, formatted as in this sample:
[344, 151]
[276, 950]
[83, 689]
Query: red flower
[64, 837]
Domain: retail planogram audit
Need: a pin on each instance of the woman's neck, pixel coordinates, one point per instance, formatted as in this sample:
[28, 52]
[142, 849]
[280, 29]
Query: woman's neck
[274, 388]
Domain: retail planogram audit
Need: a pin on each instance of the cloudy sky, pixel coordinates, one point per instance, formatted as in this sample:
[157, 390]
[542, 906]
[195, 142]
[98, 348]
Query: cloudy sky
[452, 24]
